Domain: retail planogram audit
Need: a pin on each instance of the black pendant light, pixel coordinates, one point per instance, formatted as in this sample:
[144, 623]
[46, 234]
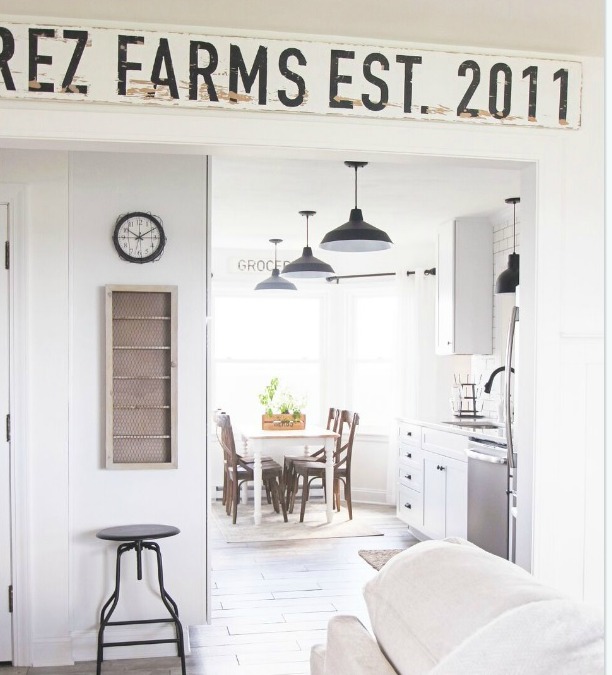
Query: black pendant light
[508, 280]
[356, 235]
[307, 266]
[275, 282]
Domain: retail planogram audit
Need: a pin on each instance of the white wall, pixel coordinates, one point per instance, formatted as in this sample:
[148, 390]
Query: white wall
[565, 225]
[74, 200]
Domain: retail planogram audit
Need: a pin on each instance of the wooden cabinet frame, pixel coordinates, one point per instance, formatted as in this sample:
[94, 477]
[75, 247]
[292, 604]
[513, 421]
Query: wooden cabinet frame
[141, 371]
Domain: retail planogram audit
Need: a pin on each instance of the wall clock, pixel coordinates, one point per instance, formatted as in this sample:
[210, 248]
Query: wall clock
[139, 237]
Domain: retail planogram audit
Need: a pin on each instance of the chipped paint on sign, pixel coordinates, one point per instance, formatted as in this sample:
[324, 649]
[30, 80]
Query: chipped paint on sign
[193, 71]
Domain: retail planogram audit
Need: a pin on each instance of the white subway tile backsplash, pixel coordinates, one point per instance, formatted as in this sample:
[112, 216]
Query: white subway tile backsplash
[483, 365]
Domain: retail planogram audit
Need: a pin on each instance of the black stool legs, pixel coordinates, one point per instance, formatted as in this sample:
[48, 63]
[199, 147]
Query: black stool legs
[111, 604]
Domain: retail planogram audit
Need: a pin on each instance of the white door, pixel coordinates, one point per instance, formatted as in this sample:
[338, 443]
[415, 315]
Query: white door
[6, 637]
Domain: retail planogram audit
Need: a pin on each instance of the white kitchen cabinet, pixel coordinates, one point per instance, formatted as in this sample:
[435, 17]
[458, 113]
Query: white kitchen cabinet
[410, 475]
[444, 496]
[432, 481]
[464, 279]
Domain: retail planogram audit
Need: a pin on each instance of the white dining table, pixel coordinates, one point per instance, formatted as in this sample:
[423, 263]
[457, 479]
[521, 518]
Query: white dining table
[275, 444]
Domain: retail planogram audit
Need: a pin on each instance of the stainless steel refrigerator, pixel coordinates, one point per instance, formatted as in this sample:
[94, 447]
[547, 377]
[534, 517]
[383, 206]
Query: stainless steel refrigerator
[492, 499]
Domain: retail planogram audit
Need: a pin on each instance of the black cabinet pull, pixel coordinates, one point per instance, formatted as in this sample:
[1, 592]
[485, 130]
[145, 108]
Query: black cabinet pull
[407, 505]
[408, 476]
[409, 433]
[409, 454]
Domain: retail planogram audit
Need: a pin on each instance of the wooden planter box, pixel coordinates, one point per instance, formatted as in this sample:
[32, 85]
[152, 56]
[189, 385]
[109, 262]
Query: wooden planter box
[282, 422]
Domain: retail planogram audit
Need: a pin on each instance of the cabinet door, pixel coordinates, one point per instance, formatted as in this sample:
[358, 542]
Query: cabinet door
[434, 497]
[456, 497]
[141, 354]
[445, 283]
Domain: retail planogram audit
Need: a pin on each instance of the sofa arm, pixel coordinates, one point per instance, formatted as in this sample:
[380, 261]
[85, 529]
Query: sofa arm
[351, 650]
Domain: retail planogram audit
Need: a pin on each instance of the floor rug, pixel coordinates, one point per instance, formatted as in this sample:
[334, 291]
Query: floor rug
[273, 528]
[378, 559]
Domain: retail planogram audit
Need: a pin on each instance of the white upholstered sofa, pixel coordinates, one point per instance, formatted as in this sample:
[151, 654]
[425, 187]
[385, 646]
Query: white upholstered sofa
[450, 608]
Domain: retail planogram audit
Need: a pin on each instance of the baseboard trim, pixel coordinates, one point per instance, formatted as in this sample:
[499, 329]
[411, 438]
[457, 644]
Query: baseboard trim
[370, 496]
[85, 643]
[52, 652]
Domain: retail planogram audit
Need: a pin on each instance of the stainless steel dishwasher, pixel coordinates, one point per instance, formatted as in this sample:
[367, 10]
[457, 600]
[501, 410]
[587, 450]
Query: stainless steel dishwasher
[488, 496]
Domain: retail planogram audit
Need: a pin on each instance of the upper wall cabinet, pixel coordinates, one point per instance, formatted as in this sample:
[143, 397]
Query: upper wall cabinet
[464, 301]
[141, 377]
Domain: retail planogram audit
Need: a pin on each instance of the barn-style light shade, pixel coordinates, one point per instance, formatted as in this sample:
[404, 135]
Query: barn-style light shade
[508, 280]
[356, 235]
[275, 282]
[307, 266]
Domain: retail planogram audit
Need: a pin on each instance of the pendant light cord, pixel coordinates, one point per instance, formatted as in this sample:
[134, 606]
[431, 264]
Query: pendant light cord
[306, 229]
[514, 230]
[356, 186]
[275, 265]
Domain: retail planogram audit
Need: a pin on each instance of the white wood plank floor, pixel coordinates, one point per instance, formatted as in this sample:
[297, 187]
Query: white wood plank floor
[270, 602]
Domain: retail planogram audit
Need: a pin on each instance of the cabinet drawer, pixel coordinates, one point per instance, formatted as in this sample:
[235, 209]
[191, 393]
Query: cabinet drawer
[409, 433]
[410, 506]
[410, 476]
[445, 443]
[409, 454]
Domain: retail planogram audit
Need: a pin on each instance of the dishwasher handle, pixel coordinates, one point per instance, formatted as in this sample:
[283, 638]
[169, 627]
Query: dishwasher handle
[481, 457]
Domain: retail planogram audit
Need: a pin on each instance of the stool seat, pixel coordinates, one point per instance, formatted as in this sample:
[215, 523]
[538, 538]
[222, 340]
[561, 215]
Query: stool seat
[137, 532]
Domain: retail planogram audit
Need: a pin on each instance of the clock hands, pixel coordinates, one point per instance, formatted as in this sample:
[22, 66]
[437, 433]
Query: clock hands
[144, 234]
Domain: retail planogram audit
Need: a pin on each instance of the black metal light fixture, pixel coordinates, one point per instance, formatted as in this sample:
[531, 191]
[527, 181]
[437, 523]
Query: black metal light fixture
[307, 266]
[275, 282]
[508, 280]
[356, 235]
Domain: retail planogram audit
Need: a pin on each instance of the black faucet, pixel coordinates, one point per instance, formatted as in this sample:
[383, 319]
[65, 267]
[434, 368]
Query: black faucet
[489, 384]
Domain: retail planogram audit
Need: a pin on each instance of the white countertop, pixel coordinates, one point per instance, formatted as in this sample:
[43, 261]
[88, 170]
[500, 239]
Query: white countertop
[463, 427]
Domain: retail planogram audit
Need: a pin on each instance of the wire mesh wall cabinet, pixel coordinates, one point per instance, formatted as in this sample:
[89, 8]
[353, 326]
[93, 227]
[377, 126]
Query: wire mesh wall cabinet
[141, 377]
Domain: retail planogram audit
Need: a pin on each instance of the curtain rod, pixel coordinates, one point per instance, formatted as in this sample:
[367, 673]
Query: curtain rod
[431, 271]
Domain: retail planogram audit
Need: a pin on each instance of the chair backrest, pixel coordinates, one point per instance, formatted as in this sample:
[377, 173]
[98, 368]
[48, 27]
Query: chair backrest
[225, 435]
[333, 419]
[348, 423]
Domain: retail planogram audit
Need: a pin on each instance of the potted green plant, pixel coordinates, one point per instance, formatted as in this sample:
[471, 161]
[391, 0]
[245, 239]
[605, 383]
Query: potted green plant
[282, 410]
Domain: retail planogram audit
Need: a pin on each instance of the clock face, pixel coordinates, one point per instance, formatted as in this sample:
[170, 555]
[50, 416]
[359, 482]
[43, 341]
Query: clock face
[139, 237]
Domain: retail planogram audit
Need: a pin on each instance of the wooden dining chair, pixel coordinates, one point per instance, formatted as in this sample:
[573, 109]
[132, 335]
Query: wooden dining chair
[309, 470]
[333, 417]
[238, 471]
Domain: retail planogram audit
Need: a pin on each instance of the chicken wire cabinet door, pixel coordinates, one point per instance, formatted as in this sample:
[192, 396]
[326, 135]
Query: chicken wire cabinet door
[141, 377]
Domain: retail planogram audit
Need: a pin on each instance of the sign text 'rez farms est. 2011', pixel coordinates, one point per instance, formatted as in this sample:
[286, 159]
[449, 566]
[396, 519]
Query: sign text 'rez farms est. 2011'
[105, 65]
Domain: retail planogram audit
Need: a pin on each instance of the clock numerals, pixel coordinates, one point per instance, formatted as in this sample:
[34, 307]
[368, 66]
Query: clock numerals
[139, 237]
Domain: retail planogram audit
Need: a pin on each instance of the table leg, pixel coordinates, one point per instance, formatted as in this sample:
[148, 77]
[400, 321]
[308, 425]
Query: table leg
[330, 444]
[255, 448]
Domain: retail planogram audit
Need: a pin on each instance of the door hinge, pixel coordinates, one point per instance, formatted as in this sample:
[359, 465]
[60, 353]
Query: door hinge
[8, 428]
[7, 255]
[10, 599]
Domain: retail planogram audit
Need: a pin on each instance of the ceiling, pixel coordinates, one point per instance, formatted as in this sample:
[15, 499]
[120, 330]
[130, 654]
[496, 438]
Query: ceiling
[254, 200]
[562, 27]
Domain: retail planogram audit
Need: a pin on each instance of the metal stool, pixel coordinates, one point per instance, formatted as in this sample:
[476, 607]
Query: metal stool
[139, 537]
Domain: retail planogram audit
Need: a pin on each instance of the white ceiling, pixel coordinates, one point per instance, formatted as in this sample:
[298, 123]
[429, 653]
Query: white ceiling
[254, 200]
[562, 26]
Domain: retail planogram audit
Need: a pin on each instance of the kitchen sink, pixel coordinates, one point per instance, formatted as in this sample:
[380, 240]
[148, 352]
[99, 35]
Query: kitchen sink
[475, 424]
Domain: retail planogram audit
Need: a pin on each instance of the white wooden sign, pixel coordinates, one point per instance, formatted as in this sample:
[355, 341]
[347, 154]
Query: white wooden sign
[104, 65]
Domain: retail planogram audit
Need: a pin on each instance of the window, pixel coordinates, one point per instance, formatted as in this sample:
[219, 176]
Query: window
[256, 338]
[337, 346]
[372, 373]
